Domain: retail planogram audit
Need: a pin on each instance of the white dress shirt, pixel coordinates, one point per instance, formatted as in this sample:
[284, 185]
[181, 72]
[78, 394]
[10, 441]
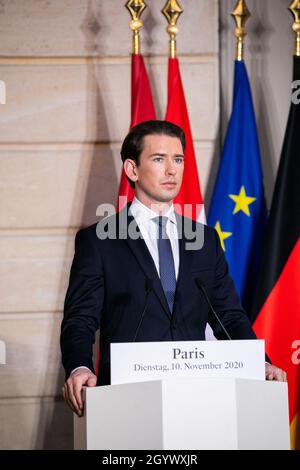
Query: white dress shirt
[149, 230]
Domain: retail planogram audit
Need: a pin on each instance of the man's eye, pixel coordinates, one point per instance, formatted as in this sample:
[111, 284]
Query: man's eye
[179, 160]
[157, 159]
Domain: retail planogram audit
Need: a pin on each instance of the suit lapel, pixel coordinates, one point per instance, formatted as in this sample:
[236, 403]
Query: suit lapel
[139, 249]
[185, 259]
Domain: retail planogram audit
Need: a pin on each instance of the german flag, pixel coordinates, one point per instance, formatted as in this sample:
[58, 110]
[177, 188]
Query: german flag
[277, 304]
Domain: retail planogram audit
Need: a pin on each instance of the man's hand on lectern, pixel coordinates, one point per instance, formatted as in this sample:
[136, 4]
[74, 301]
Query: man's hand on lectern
[72, 389]
[274, 373]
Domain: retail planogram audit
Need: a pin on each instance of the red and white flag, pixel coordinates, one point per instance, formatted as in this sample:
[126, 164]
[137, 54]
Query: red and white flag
[142, 109]
[177, 112]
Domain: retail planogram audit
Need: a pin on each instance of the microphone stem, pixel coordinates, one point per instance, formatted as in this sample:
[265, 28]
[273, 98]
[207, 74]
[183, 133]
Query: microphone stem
[213, 310]
[142, 316]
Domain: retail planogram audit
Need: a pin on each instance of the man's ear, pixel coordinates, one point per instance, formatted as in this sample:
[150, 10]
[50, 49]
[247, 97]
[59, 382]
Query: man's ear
[130, 169]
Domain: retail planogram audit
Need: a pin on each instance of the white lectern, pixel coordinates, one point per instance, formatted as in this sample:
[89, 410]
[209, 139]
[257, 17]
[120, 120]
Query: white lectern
[218, 413]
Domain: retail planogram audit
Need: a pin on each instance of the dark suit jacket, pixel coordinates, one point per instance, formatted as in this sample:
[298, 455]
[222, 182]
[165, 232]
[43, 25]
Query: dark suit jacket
[107, 289]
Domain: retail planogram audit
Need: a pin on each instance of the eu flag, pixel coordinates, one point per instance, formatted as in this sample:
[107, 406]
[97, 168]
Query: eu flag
[238, 208]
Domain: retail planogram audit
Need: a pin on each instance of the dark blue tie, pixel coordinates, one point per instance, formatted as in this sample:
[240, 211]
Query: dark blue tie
[166, 261]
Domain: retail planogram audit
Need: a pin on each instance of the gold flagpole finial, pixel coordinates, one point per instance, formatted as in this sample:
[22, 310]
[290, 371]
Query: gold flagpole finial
[295, 9]
[241, 14]
[172, 11]
[136, 8]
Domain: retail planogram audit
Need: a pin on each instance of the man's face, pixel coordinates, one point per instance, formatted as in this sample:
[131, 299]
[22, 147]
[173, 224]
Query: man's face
[159, 174]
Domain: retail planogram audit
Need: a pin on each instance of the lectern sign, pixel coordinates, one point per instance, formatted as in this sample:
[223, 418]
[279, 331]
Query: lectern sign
[139, 362]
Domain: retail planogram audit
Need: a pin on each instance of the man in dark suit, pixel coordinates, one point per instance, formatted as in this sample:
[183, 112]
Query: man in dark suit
[143, 274]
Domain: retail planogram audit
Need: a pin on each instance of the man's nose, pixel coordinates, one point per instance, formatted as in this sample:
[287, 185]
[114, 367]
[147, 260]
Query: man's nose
[170, 168]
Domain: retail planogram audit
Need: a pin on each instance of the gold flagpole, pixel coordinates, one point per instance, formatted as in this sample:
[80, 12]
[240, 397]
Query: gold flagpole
[241, 14]
[295, 10]
[172, 11]
[136, 8]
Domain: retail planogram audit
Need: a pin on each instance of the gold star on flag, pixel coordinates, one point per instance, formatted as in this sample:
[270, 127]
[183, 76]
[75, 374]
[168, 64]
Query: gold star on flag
[222, 235]
[242, 201]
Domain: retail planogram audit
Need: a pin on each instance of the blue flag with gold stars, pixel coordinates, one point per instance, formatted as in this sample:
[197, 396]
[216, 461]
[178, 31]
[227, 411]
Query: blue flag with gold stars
[238, 208]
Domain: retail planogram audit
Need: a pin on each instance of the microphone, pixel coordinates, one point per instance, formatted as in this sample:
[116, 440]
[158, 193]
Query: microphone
[203, 290]
[148, 288]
